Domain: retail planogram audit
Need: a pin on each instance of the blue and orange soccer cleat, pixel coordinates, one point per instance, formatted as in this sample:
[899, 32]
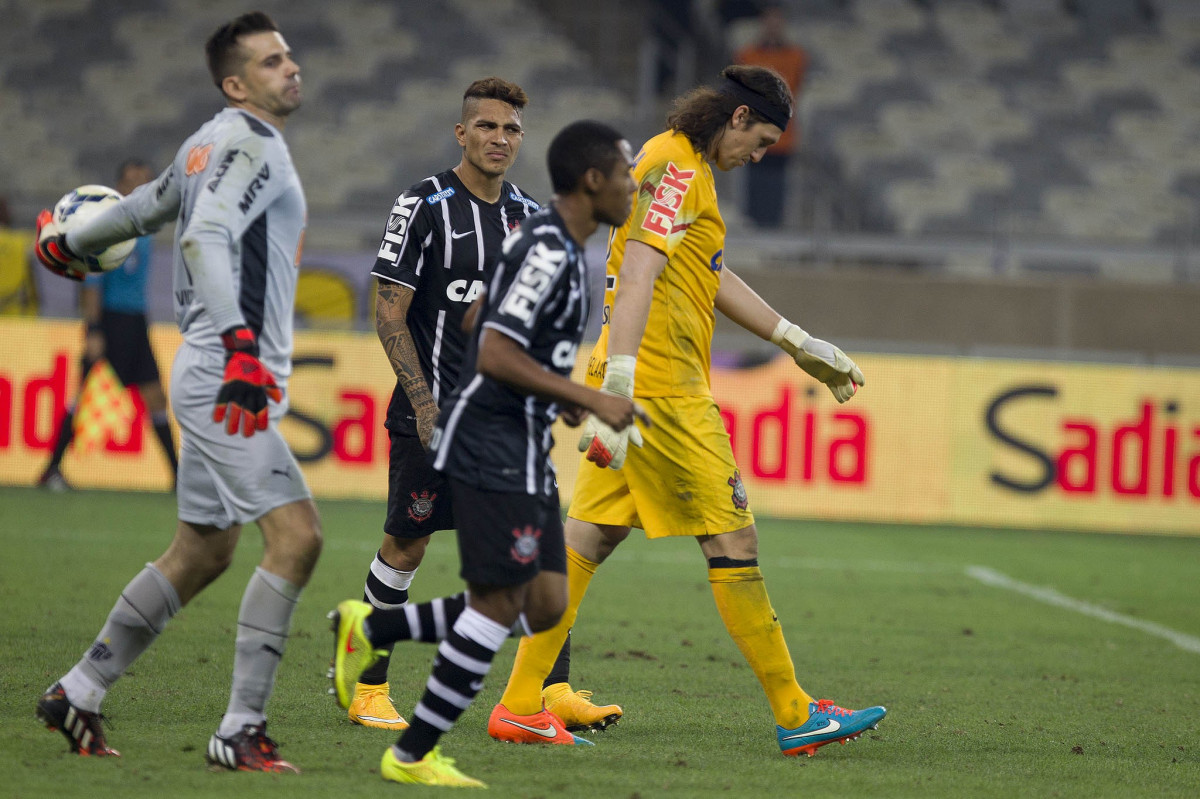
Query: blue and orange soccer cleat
[826, 724]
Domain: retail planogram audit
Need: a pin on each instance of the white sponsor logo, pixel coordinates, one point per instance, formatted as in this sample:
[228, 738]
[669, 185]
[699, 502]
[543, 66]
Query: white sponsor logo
[397, 226]
[533, 281]
[564, 354]
[460, 291]
[454, 234]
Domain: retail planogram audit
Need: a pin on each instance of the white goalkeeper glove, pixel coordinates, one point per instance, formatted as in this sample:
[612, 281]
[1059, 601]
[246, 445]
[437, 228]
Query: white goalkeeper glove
[605, 446]
[820, 359]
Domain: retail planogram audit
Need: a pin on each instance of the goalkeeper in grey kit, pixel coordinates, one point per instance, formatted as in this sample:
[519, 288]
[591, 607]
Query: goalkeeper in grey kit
[240, 216]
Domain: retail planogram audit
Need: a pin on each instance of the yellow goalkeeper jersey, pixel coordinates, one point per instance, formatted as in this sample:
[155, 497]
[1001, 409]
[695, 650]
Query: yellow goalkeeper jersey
[675, 212]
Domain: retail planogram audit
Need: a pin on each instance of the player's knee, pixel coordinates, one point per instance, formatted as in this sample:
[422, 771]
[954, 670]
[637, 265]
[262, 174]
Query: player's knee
[542, 619]
[546, 611]
[403, 554]
[308, 544]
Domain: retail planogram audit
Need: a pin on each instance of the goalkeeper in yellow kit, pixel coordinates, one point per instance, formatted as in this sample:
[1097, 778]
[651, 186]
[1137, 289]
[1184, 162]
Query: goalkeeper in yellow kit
[665, 278]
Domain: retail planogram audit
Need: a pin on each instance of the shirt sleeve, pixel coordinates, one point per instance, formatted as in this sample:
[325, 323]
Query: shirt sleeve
[245, 184]
[405, 238]
[144, 211]
[660, 215]
[528, 272]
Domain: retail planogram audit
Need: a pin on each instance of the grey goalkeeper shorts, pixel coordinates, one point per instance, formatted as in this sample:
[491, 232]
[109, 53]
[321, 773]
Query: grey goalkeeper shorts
[226, 480]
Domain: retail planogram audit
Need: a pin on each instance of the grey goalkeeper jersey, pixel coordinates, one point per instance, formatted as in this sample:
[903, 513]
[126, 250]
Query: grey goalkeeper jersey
[241, 217]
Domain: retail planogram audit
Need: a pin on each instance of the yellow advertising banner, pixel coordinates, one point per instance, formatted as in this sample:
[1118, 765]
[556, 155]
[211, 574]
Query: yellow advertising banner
[997, 443]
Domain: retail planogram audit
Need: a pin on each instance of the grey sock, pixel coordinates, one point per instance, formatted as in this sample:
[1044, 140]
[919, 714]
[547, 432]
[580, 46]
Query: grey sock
[263, 624]
[145, 606]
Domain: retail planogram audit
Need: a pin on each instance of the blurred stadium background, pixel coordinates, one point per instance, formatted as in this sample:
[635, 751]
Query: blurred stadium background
[999, 179]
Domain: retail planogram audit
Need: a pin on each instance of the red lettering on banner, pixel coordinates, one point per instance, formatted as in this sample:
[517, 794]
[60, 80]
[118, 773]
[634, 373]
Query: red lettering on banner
[1077, 465]
[1137, 435]
[133, 442]
[1194, 468]
[848, 455]
[776, 418]
[1139, 458]
[358, 429]
[1170, 440]
[842, 456]
[56, 384]
[6, 400]
[810, 438]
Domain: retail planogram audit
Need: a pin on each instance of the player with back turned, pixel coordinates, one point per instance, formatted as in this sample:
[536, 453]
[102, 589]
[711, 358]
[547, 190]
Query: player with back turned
[666, 276]
[240, 215]
[493, 441]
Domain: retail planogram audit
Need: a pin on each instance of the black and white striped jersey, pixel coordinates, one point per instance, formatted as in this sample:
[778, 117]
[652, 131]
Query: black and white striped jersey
[489, 434]
[442, 241]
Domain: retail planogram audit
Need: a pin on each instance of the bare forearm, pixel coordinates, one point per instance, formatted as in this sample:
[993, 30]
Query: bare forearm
[635, 293]
[391, 325]
[744, 306]
[501, 358]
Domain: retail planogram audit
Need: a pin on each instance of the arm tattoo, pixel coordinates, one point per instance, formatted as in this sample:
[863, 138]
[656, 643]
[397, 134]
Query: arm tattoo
[391, 312]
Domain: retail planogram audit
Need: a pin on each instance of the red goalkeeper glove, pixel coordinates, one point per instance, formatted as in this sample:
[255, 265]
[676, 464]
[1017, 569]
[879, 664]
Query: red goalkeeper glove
[52, 249]
[242, 400]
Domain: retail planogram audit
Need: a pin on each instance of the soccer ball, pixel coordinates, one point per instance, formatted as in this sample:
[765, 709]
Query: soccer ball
[81, 204]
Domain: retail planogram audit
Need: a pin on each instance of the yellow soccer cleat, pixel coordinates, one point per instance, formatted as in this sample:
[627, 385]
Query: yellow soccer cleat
[433, 769]
[576, 710]
[353, 653]
[372, 707]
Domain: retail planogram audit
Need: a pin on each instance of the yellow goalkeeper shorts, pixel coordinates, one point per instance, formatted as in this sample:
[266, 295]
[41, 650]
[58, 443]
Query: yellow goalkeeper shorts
[683, 481]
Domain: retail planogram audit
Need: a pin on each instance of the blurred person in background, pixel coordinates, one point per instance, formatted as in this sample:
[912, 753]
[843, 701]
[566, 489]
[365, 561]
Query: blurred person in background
[767, 184]
[113, 306]
[18, 290]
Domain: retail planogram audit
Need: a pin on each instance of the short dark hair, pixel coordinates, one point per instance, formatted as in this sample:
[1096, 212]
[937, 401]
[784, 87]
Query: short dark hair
[221, 49]
[701, 114]
[494, 89]
[578, 147]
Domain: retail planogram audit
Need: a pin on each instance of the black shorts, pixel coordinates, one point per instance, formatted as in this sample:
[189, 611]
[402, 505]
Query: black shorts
[127, 347]
[505, 539]
[418, 497]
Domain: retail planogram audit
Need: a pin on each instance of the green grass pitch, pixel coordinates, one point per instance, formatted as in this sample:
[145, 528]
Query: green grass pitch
[993, 688]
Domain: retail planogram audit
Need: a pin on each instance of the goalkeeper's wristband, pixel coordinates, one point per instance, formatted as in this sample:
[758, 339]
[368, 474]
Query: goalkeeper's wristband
[240, 339]
[618, 375]
[789, 337]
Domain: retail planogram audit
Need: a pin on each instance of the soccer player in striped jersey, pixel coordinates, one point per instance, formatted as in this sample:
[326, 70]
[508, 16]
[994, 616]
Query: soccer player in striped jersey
[666, 276]
[438, 251]
[240, 215]
[493, 441]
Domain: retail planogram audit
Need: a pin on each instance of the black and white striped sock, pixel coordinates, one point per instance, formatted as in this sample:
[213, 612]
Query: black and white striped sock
[427, 622]
[386, 590]
[462, 662]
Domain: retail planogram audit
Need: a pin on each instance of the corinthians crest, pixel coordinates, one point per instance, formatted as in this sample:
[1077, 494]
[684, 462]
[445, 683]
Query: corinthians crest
[740, 500]
[525, 548]
[422, 506]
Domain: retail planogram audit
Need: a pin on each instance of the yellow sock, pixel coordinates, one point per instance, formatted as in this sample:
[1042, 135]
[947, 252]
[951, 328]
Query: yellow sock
[536, 655]
[742, 601]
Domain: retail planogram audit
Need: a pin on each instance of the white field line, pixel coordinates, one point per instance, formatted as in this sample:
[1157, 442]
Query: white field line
[994, 578]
